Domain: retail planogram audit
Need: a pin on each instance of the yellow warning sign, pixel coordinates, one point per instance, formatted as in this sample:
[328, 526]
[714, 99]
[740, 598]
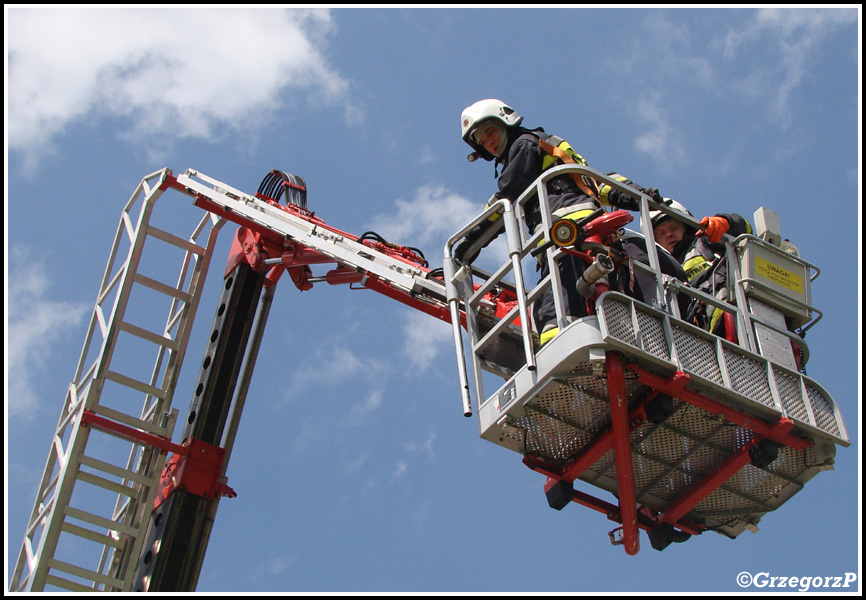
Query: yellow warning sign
[778, 275]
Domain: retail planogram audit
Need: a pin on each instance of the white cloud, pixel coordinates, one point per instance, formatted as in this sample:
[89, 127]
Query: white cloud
[764, 56]
[655, 83]
[796, 34]
[354, 465]
[363, 409]
[331, 364]
[429, 219]
[425, 447]
[661, 139]
[175, 72]
[278, 565]
[36, 323]
[424, 338]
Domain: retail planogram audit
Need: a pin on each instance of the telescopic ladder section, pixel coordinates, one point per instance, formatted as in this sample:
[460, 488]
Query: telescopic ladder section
[86, 528]
[308, 240]
[690, 431]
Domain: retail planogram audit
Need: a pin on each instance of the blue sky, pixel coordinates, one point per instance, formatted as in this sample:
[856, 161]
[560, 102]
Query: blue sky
[354, 467]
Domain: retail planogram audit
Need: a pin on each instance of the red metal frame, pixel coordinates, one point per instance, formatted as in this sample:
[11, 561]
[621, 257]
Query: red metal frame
[195, 466]
[624, 421]
[675, 387]
[622, 449]
[197, 470]
[165, 446]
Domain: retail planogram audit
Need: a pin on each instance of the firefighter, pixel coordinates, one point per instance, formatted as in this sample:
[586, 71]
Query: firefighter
[690, 251]
[630, 280]
[682, 241]
[698, 251]
[493, 130]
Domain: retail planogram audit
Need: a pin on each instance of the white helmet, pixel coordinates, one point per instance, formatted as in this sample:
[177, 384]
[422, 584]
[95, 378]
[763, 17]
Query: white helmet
[481, 111]
[657, 216]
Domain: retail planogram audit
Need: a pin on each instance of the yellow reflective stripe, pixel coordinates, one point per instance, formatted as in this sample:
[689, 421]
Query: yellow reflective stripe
[578, 215]
[604, 189]
[494, 216]
[717, 314]
[603, 194]
[566, 151]
[695, 266]
[548, 335]
[566, 147]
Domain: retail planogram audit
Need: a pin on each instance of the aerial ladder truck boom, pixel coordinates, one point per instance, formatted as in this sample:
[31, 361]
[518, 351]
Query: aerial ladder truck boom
[632, 400]
[146, 502]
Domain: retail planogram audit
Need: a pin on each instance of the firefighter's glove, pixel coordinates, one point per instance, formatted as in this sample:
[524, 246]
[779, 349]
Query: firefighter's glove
[463, 247]
[654, 194]
[714, 228]
[461, 250]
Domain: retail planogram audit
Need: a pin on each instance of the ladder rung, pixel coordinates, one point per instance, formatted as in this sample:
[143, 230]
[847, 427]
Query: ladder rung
[84, 573]
[104, 483]
[162, 288]
[175, 240]
[89, 534]
[108, 524]
[114, 470]
[158, 339]
[134, 384]
[68, 585]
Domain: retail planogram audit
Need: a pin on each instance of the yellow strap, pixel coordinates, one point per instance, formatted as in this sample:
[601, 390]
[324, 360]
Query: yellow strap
[717, 314]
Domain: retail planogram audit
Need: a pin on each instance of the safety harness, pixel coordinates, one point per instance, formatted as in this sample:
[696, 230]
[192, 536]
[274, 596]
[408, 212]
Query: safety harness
[557, 148]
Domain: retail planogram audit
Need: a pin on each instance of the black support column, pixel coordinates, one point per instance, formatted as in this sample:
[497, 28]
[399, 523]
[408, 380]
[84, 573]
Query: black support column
[174, 548]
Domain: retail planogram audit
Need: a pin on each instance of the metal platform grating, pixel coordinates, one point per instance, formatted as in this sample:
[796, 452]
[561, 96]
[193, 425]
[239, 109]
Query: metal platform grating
[670, 457]
[719, 368]
[697, 355]
[560, 422]
[654, 336]
[792, 397]
[749, 378]
[825, 414]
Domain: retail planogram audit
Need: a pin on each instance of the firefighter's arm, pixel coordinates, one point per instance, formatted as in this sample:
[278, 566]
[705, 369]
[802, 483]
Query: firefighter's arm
[715, 227]
[609, 196]
[479, 236]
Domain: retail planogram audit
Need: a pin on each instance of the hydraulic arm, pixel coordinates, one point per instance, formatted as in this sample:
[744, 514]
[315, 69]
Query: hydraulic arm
[271, 237]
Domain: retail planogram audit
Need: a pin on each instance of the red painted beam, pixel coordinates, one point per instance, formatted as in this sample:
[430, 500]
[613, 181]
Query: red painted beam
[622, 449]
[675, 387]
